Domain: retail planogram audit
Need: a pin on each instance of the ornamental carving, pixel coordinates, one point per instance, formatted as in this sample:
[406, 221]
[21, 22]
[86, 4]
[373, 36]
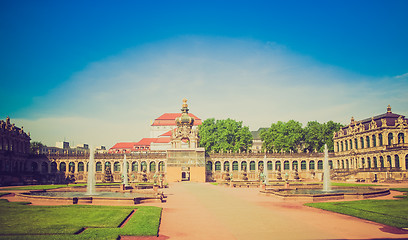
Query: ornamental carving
[373, 124]
[400, 122]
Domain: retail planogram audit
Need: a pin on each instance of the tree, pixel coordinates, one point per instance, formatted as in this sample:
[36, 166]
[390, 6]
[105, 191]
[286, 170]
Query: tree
[283, 137]
[224, 136]
[35, 147]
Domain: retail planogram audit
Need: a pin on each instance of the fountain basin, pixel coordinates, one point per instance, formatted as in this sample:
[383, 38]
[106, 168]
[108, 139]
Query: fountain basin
[110, 197]
[338, 193]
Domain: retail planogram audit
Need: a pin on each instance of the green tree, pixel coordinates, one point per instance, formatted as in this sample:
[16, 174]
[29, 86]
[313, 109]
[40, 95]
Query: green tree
[224, 135]
[35, 147]
[318, 134]
[283, 137]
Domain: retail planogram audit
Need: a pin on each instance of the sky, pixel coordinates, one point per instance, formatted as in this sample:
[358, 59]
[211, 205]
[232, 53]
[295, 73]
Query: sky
[99, 72]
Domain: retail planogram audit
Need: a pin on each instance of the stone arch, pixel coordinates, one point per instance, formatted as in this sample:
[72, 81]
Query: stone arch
[34, 166]
[269, 165]
[143, 166]
[152, 167]
[294, 165]
[63, 167]
[209, 166]
[286, 165]
[44, 167]
[54, 168]
[278, 166]
[389, 162]
[135, 167]
[71, 167]
[244, 166]
[98, 167]
[382, 162]
[252, 166]
[396, 161]
[108, 165]
[162, 166]
[116, 166]
[390, 137]
[303, 165]
[401, 138]
[320, 164]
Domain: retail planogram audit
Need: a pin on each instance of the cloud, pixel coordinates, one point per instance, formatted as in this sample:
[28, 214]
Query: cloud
[258, 83]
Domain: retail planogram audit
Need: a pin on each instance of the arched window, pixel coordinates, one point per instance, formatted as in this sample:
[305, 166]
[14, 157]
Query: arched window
[342, 164]
[331, 164]
[320, 164]
[389, 161]
[362, 163]
[116, 167]
[397, 163]
[209, 166]
[44, 167]
[226, 166]
[286, 165]
[369, 162]
[217, 166]
[269, 166]
[356, 143]
[342, 149]
[351, 144]
[252, 166]
[80, 167]
[235, 166]
[278, 166]
[375, 162]
[98, 167]
[54, 167]
[143, 166]
[368, 141]
[311, 165]
[338, 147]
[135, 167]
[152, 167]
[260, 165]
[71, 167]
[108, 165]
[63, 167]
[401, 138]
[303, 165]
[406, 161]
[347, 164]
[374, 141]
[34, 167]
[294, 165]
[346, 142]
[244, 166]
[380, 139]
[390, 137]
[381, 162]
[362, 142]
[161, 166]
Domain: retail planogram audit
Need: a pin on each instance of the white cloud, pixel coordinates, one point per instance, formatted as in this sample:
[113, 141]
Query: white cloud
[116, 99]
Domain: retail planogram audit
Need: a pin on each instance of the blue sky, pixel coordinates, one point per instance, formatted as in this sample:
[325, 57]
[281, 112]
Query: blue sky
[99, 72]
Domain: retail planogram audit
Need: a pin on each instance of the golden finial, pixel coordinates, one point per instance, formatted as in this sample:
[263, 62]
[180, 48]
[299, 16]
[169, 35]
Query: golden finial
[389, 109]
[184, 103]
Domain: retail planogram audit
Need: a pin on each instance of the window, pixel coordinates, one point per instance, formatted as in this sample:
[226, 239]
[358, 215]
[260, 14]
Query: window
[244, 166]
[369, 162]
[278, 166]
[389, 161]
[209, 166]
[380, 139]
[397, 163]
[294, 165]
[311, 165]
[374, 162]
[226, 166]
[400, 138]
[362, 163]
[351, 144]
[303, 165]
[99, 167]
[235, 166]
[260, 165]
[374, 141]
[152, 167]
[108, 165]
[217, 166]
[53, 167]
[80, 167]
[252, 166]
[270, 166]
[135, 167]
[320, 164]
[390, 136]
[143, 166]
[286, 165]
[161, 166]
[331, 164]
[63, 167]
[381, 162]
[356, 143]
[368, 141]
[362, 142]
[116, 167]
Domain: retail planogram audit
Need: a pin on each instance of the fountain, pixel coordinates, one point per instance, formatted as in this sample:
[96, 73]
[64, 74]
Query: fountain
[310, 193]
[326, 171]
[124, 172]
[90, 187]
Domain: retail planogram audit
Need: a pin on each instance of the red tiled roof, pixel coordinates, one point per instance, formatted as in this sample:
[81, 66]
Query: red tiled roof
[169, 119]
[123, 145]
[146, 141]
[166, 134]
[163, 140]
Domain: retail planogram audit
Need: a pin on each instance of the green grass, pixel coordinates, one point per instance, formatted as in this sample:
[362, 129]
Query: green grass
[22, 221]
[389, 212]
[404, 190]
[354, 184]
[37, 187]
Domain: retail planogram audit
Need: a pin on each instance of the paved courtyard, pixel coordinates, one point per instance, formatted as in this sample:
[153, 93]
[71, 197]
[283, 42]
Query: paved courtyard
[205, 211]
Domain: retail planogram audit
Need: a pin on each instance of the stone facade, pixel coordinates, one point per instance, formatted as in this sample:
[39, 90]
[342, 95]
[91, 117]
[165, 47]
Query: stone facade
[373, 149]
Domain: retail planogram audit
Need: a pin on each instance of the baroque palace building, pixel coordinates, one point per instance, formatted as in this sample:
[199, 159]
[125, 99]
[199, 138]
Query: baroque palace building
[372, 149]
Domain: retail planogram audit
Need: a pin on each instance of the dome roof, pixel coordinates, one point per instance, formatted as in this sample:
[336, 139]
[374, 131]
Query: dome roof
[185, 119]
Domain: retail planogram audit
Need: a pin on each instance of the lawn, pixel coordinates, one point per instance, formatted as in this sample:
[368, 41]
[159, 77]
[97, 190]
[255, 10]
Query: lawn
[389, 212]
[22, 221]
